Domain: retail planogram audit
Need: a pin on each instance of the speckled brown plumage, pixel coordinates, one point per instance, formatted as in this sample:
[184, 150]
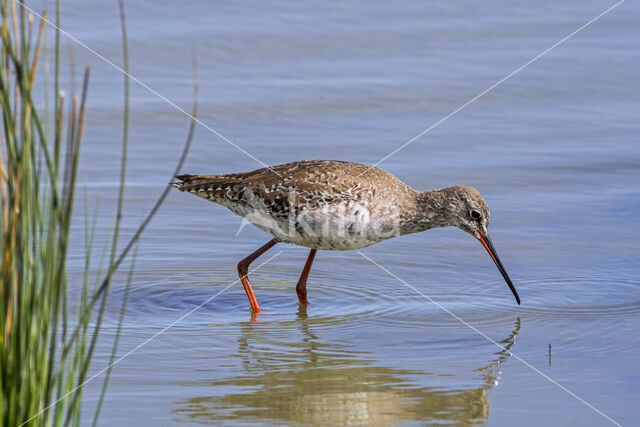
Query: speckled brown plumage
[328, 204]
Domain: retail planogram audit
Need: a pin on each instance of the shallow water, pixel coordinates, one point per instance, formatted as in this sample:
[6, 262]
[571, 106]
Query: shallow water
[554, 150]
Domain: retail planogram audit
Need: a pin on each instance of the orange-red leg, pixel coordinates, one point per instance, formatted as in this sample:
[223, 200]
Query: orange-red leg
[301, 288]
[243, 269]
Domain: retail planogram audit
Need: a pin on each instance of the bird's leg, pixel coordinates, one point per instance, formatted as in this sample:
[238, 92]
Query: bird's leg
[243, 269]
[301, 288]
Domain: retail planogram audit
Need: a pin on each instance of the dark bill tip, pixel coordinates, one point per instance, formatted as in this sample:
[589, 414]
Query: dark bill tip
[486, 242]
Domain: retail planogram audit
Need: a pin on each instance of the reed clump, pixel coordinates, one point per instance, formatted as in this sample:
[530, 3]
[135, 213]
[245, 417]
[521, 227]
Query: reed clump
[45, 346]
[47, 340]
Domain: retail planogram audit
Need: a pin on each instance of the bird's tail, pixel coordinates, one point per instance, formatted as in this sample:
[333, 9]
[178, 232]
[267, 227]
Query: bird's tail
[189, 181]
[185, 179]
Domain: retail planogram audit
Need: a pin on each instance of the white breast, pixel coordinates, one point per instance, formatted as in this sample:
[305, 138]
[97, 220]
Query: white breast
[335, 226]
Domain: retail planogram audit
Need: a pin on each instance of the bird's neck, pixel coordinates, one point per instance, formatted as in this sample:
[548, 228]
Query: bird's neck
[430, 210]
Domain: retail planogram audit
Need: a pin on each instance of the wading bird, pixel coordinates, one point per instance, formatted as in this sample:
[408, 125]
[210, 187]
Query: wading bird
[336, 206]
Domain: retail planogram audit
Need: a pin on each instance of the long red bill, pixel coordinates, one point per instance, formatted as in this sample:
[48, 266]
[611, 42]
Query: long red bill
[486, 242]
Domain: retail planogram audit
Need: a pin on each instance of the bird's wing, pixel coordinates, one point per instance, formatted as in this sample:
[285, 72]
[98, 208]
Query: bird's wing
[310, 184]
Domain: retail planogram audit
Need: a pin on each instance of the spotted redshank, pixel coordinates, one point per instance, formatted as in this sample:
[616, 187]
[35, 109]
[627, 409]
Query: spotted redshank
[336, 206]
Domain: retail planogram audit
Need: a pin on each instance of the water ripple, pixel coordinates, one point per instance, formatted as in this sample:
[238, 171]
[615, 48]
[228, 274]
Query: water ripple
[342, 304]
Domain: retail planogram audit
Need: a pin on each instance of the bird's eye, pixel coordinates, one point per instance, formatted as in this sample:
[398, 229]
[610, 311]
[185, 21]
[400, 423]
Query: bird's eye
[476, 215]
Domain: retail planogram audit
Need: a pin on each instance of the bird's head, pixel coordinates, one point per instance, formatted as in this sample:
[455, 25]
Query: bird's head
[468, 211]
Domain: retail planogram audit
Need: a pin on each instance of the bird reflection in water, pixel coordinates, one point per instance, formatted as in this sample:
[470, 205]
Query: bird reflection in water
[314, 382]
